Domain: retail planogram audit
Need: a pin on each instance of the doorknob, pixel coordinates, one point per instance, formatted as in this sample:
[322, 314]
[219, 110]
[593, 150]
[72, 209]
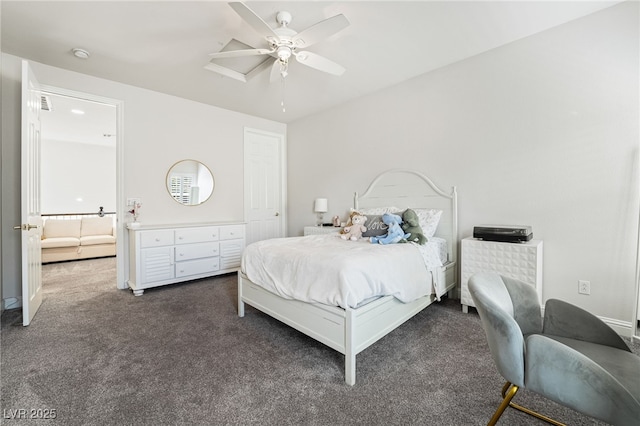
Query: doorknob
[277, 214]
[25, 227]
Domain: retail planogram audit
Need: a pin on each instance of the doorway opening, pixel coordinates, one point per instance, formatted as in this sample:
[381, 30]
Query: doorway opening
[80, 150]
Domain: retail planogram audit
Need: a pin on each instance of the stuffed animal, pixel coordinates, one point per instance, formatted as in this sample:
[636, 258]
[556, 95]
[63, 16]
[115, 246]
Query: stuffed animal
[411, 225]
[395, 234]
[355, 230]
[349, 221]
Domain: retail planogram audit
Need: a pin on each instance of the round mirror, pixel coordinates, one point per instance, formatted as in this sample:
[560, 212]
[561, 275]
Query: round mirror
[190, 182]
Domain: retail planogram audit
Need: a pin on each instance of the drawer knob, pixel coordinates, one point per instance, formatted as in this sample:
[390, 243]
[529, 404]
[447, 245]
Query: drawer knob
[157, 239]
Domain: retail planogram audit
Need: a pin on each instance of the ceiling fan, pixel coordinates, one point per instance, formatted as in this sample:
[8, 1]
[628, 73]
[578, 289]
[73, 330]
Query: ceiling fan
[283, 42]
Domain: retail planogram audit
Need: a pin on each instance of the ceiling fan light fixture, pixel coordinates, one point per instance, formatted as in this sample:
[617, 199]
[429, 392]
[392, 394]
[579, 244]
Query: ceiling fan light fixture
[284, 53]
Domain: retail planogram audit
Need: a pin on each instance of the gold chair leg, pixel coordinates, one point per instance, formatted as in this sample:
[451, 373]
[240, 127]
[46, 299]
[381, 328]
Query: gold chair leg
[508, 392]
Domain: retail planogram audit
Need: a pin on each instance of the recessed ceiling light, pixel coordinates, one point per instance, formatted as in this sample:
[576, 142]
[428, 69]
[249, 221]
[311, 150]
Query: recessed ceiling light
[80, 53]
[77, 111]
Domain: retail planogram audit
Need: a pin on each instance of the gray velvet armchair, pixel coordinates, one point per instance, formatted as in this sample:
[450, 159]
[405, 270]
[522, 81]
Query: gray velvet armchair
[572, 357]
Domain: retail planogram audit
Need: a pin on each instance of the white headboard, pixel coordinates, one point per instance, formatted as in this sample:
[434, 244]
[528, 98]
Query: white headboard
[411, 189]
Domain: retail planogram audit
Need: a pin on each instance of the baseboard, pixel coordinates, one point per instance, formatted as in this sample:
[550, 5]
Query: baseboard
[11, 303]
[623, 328]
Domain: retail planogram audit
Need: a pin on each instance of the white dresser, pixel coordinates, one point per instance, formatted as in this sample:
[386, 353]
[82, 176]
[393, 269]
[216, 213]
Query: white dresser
[522, 261]
[167, 254]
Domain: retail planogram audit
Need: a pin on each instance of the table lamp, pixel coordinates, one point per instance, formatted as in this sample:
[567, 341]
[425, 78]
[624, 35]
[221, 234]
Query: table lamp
[320, 207]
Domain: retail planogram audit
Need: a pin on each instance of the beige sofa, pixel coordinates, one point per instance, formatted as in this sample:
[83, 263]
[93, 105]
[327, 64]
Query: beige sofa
[75, 239]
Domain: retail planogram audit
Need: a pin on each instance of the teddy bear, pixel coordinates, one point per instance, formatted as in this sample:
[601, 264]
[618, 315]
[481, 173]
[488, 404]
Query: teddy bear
[411, 225]
[395, 234]
[349, 222]
[354, 231]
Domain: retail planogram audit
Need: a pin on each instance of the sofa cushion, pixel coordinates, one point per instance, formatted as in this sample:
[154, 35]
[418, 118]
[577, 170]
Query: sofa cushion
[55, 228]
[60, 242]
[90, 240]
[97, 226]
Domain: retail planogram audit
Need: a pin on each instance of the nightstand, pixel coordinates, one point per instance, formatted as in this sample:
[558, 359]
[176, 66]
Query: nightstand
[522, 261]
[320, 230]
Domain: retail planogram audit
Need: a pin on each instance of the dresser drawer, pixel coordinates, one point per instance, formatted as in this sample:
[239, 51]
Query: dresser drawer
[197, 251]
[231, 232]
[197, 235]
[156, 238]
[199, 266]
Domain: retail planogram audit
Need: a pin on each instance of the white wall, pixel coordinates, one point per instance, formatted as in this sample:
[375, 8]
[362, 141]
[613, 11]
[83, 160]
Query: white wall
[158, 130]
[543, 131]
[77, 177]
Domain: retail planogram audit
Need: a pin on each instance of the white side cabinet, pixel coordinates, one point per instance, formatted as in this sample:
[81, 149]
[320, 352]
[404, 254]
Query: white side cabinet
[160, 255]
[522, 261]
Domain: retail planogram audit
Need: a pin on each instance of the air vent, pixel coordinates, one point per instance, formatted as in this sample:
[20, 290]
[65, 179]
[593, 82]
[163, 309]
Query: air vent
[45, 103]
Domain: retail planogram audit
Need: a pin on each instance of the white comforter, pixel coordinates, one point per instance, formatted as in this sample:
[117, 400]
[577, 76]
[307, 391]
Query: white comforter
[327, 269]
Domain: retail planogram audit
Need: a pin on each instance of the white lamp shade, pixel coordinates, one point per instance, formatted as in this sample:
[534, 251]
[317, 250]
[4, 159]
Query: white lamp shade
[320, 205]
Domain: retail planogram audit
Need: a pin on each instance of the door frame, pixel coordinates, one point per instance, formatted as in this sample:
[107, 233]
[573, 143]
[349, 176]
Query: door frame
[120, 201]
[283, 174]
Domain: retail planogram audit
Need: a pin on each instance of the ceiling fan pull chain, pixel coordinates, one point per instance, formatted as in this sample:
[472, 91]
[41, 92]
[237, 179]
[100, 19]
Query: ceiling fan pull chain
[282, 80]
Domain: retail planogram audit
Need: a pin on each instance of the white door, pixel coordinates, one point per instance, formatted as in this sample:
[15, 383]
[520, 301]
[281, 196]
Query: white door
[31, 224]
[264, 184]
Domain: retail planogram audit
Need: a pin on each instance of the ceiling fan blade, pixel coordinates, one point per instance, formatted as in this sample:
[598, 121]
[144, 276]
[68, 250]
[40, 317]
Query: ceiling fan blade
[239, 53]
[320, 63]
[320, 31]
[254, 20]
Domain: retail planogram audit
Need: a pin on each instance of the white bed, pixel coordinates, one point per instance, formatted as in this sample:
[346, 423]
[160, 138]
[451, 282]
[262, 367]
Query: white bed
[350, 330]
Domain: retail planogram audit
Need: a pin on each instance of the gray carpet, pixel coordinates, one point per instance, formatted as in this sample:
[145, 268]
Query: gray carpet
[180, 355]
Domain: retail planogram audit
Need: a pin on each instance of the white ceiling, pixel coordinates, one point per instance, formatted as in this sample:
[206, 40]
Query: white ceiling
[163, 45]
[78, 120]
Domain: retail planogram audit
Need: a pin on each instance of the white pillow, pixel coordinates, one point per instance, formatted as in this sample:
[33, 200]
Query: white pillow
[373, 211]
[429, 219]
[57, 228]
[97, 226]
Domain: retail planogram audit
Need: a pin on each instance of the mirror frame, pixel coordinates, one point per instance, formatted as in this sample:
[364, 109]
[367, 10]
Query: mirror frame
[198, 163]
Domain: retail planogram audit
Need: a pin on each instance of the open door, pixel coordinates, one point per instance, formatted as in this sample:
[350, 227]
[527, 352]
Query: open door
[30, 216]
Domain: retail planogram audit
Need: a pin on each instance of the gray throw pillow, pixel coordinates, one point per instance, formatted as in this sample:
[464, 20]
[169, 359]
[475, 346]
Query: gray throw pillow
[375, 226]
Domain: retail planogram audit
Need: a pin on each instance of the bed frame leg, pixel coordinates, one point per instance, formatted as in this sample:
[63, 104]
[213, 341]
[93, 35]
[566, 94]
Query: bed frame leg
[349, 353]
[240, 302]
[350, 369]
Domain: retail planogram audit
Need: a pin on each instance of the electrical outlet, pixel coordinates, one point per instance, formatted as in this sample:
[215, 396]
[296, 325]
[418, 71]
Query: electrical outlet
[584, 287]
